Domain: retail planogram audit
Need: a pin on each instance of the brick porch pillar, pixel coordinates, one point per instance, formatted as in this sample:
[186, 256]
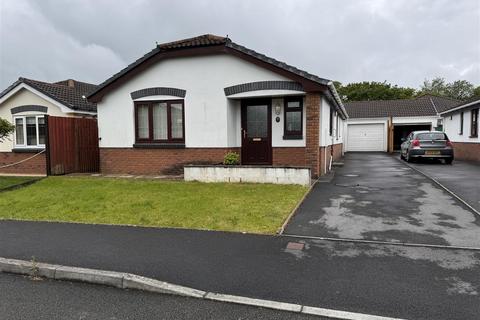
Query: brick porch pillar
[312, 106]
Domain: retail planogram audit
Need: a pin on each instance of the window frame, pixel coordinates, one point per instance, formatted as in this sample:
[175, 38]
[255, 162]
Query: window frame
[292, 135]
[330, 123]
[461, 124]
[150, 139]
[337, 124]
[474, 114]
[38, 145]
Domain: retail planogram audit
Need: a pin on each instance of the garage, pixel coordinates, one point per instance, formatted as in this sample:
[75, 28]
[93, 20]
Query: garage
[366, 137]
[403, 130]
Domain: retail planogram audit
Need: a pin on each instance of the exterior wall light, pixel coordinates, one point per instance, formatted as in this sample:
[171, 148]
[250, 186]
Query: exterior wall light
[278, 109]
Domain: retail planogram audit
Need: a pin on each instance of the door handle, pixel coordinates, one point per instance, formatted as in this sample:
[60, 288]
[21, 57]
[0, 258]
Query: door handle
[244, 133]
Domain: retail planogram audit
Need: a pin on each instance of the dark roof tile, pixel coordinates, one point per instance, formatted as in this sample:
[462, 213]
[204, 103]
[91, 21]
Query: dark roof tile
[70, 92]
[213, 40]
[426, 105]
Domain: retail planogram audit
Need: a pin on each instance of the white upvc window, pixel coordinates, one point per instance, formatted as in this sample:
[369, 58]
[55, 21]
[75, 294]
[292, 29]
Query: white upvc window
[30, 131]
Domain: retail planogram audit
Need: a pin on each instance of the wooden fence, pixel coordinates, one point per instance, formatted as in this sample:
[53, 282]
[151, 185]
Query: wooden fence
[72, 145]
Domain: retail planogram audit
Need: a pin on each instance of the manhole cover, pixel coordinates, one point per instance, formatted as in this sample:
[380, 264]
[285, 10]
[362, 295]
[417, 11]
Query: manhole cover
[351, 175]
[295, 246]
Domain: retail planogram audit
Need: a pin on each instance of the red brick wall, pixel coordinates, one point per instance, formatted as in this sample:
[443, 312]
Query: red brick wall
[171, 161]
[312, 106]
[324, 159]
[289, 156]
[466, 151]
[36, 165]
[337, 151]
[157, 161]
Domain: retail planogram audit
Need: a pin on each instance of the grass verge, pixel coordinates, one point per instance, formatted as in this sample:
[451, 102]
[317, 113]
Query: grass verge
[257, 208]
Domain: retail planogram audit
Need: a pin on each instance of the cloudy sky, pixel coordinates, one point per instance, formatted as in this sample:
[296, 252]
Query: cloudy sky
[401, 41]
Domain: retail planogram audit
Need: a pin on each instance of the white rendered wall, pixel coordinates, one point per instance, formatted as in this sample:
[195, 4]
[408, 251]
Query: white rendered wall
[210, 119]
[325, 138]
[451, 126]
[278, 127]
[416, 120]
[250, 174]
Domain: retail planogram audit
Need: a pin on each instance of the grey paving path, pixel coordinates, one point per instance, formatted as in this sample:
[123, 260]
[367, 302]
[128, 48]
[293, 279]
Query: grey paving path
[412, 283]
[376, 197]
[21, 298]
[461, 177]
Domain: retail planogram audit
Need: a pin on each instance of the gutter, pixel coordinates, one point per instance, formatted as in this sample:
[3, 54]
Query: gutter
[335, 94]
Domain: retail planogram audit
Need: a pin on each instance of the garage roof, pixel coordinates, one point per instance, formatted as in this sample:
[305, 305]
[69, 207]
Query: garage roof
[425, 105]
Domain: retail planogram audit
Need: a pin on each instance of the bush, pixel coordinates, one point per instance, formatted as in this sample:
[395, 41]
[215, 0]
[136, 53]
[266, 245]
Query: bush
[6, 128]
[231, 159]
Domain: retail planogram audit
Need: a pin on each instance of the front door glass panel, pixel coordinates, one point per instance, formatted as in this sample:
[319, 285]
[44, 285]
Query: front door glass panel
[257, 122]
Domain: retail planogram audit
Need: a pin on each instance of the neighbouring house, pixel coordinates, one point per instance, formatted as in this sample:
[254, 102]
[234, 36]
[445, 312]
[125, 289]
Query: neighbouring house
[194, 100]
[381, 125]
[461, 126]
[25, 104]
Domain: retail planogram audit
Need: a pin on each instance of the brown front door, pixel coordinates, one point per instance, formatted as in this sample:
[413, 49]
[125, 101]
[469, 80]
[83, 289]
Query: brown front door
[256, 131]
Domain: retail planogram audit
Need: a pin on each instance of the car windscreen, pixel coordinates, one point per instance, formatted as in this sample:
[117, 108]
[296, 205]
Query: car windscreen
[431, 136]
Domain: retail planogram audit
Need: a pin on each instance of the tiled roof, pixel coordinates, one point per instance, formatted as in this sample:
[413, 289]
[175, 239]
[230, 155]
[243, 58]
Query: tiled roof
[426, 105]
[471, 102]
[67, 92]
[444, 103]
[213, 40]
[204, 40]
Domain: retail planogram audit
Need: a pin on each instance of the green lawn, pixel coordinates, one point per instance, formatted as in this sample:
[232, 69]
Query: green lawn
[9, 181]
[259, 208]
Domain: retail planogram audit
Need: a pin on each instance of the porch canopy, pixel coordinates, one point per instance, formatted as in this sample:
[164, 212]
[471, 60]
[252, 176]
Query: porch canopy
[264, 89]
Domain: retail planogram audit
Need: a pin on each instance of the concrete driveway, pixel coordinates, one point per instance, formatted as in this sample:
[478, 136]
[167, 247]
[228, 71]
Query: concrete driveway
[374, 196]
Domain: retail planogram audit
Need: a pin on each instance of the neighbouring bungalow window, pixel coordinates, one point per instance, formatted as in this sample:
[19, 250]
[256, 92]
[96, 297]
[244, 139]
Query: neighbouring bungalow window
[159, 121]
[30, 131]
[293, 128]
[461, 123]
[474, 123]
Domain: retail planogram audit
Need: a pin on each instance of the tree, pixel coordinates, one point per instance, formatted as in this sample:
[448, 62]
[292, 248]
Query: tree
[6, 128]
[460, 89]
[476, 91]
[373, 90]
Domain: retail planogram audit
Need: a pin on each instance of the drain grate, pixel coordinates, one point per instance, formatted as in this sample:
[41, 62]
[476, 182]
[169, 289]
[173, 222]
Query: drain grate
[295, 246]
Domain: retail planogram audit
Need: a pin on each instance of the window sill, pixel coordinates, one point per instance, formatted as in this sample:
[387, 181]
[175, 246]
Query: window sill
[27, 150]
[159, 145]
[296, 137]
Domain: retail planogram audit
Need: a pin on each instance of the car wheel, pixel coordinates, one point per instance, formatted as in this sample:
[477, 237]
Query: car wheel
[449, 161]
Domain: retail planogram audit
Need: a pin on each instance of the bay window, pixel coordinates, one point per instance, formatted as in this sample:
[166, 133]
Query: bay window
[29, 131]
[159, 121]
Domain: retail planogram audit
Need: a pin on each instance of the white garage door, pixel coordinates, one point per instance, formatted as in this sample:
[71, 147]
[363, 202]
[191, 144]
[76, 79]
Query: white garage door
[366, 137]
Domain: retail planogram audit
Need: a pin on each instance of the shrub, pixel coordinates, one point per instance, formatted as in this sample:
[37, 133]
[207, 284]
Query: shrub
[231, 159]
[6, 128]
